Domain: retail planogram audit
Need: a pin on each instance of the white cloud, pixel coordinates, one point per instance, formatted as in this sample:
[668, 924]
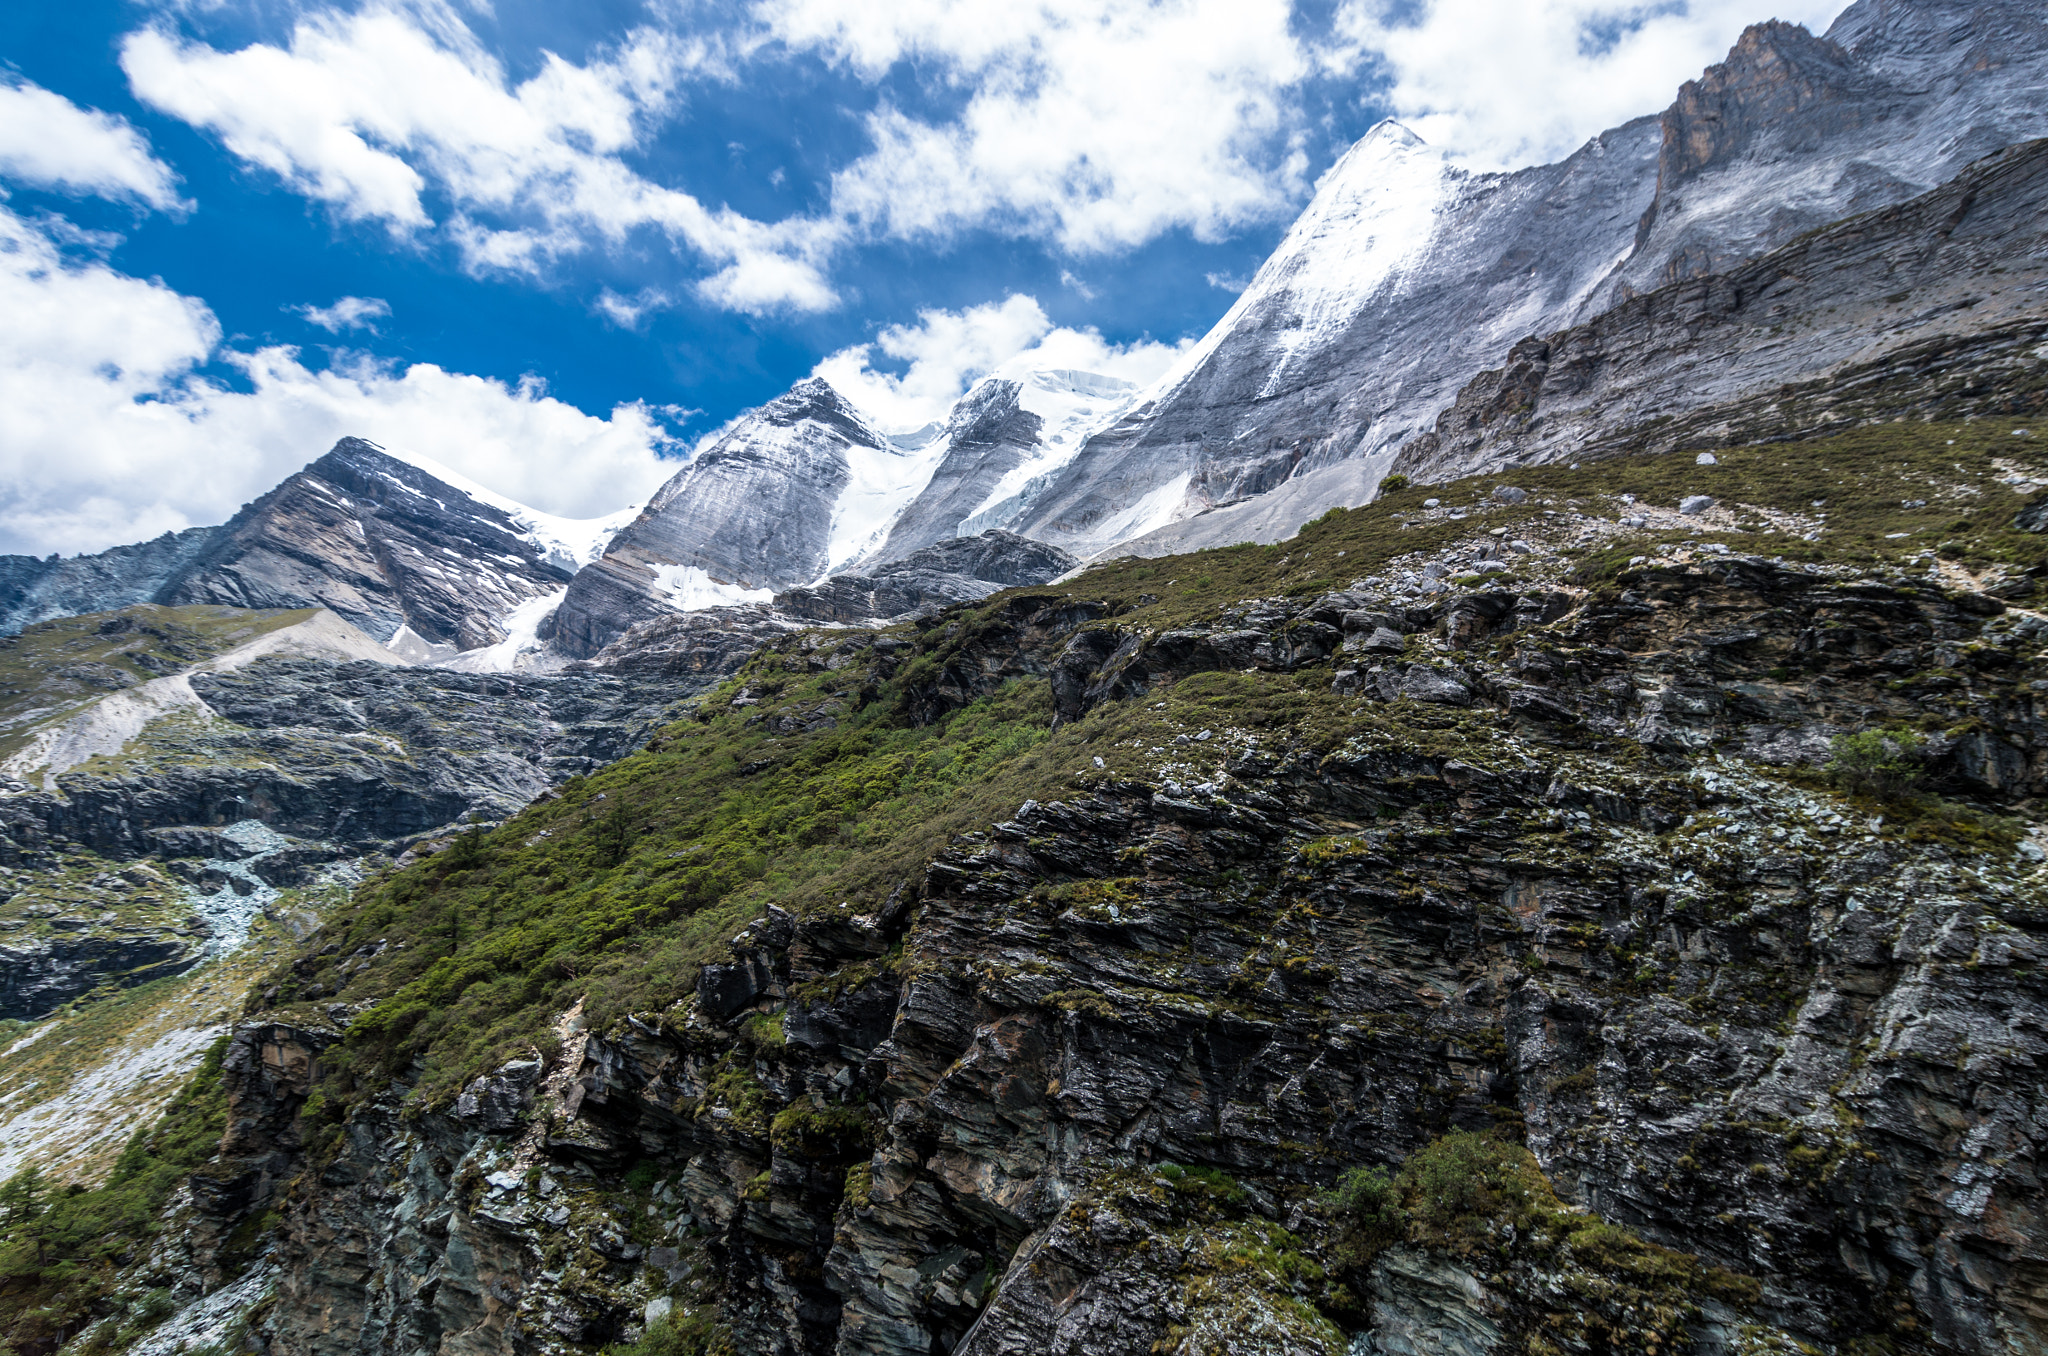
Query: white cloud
[347, 313]
[1097, 123]
[49, 142]
[103, 417]
[945, 352]
[375, 111]
[1506, 83]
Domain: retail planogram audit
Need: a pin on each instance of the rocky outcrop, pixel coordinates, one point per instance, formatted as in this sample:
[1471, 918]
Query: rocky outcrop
[1078, 1082]
[39, 974]
[1930, 309]
[958, 570]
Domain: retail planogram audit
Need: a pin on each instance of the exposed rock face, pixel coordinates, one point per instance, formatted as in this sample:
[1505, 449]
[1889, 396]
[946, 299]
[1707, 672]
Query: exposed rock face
[959, 570]
[1404, 277]
[356, 753]
[33, 590]
[313, 765]
[1728, 1014]
[988, 435]
[778, 500]
[41, 974]
[1931, 309]
[381, 543]
[370, 537]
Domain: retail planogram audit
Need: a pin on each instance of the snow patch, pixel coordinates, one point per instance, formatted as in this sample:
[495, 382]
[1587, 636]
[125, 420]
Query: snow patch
[521, 649]
[880, 483]
[691, 589]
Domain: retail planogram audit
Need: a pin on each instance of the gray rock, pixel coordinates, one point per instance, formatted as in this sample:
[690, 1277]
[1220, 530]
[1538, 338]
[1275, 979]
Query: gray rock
[1424, 684]
[753, 511]
[961, 569]
[1695, 503]
[1423, 1305]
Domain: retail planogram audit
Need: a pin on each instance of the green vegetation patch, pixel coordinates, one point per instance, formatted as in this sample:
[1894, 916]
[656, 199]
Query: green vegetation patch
[62, 1247]
[1483, 1201]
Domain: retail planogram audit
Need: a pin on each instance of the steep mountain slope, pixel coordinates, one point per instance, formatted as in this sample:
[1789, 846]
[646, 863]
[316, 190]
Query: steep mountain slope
[805, 487]
[1935, 308]
[1405, 277]
[402, 548]
[1004, 440]
[1652, 896]
[398, 552]
[790, 491]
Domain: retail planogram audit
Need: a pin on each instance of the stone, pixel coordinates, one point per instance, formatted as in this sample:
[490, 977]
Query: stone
[1510, 494]
[1694, 504]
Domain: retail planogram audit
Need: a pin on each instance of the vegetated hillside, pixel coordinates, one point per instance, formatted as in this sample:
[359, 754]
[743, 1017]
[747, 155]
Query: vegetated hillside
[1538, 920]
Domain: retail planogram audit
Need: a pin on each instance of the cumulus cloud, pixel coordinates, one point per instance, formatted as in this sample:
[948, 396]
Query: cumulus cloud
[1098, 124]
[1506, 83]
[945, 352]
[49, 142]
[103, 414]
[347, 313]
[375, 112]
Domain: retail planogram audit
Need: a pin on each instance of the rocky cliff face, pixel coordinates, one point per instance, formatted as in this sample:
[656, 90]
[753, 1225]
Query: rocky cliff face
[957, 570]
[1405, 277]
[1930, 309]
[381, 543]
[398, 552]
[1519, 839]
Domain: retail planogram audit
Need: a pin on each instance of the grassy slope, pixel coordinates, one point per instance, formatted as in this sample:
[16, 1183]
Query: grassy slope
[56, 668]
[614, 892]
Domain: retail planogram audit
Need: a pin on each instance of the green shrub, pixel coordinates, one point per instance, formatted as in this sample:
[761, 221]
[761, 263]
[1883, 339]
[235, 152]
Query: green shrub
[680, 1333]
[1393, 483]
[1876, 762]
[1465, 1174]
[1369, 1199]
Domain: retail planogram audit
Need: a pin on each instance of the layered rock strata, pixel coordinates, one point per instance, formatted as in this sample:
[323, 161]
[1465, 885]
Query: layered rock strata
[1066, 1086]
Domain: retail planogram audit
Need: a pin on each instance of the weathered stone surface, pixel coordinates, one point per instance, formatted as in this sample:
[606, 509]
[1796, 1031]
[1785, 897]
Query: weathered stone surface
[958, 570]
[1721, 1007]
[1926, 309]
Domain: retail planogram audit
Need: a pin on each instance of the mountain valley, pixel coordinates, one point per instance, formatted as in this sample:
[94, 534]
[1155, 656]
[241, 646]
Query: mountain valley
[1495, 808]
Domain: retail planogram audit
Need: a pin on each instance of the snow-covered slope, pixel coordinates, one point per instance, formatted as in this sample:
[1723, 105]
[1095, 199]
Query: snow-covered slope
[1404, 275]
[1000, 445]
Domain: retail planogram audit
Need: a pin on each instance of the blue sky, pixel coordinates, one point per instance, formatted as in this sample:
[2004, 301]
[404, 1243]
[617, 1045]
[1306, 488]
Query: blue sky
[552, 245]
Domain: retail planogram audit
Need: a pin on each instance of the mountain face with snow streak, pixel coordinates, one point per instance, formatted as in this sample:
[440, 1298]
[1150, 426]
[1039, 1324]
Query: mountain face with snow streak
[788, 493]
[1004, 441]
[1405, 277]
[428, 566]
